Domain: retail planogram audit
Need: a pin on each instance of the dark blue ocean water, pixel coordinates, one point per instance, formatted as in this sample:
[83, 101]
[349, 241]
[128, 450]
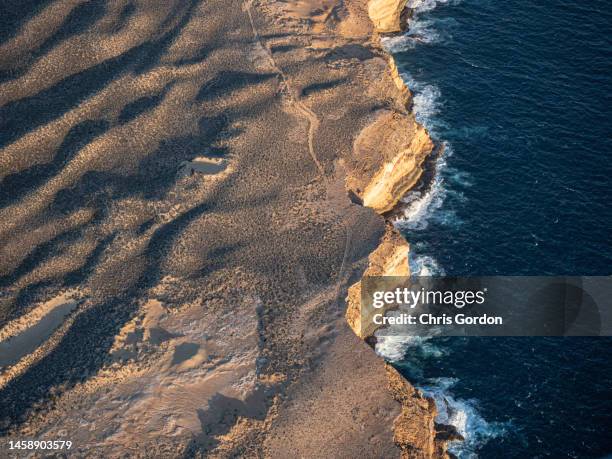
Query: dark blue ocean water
[519, 93]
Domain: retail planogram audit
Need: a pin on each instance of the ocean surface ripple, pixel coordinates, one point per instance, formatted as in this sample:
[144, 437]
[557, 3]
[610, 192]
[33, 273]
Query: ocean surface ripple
[519, 96]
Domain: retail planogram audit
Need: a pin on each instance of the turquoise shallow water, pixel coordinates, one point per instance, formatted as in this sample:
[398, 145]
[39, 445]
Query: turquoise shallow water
[519, 92]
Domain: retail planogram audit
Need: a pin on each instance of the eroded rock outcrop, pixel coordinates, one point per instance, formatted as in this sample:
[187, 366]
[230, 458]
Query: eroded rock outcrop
[398, 175]
[387, 15]
[389, 156]
[389, 259]
[415, 430]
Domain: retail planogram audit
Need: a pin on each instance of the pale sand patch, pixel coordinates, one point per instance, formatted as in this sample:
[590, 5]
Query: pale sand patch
[204, 165]
[195, 382]
[25, 334]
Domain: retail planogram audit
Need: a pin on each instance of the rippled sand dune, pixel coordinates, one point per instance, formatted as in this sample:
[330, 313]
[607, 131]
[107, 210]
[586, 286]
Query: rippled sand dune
[174, 172]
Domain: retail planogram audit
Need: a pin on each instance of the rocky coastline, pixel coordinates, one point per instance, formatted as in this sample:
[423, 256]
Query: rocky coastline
[203, 308]
[415, 429]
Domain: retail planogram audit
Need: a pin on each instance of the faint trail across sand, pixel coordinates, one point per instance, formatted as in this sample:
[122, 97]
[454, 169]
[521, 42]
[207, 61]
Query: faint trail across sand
[311, 117]
[340, 303]
[313, 125]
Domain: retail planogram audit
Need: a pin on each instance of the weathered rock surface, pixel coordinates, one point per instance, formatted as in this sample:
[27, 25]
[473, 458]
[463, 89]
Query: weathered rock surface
[387, 15]
[400, 171]
[388, 159]
[389, 259]
[415, 430]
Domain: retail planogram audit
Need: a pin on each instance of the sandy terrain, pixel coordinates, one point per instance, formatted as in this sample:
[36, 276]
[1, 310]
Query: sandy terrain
[182, 187]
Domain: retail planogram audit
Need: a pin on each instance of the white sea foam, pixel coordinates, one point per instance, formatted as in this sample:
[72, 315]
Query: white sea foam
[421, 6]
[464, 416]
[397, 43]
[393, 345]
[422, 207]
[424, 265]
[420, 31]
[426, 101]
[421, 204]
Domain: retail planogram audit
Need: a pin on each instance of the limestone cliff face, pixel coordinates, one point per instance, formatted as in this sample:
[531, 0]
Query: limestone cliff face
[415, 429]
[388, 161]
[389, 259]
[397, 79]
[389, 155]
[397, 176]
[387, 15]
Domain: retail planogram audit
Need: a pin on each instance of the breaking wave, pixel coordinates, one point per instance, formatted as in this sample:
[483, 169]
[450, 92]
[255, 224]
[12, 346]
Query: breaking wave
[425, 205]
[425, 265]
[422, 6]
[408, 352]
[420, 30]
[463, 415]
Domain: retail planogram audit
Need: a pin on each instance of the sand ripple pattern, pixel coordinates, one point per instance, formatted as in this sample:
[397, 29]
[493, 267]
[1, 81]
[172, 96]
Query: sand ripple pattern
[104, 105]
